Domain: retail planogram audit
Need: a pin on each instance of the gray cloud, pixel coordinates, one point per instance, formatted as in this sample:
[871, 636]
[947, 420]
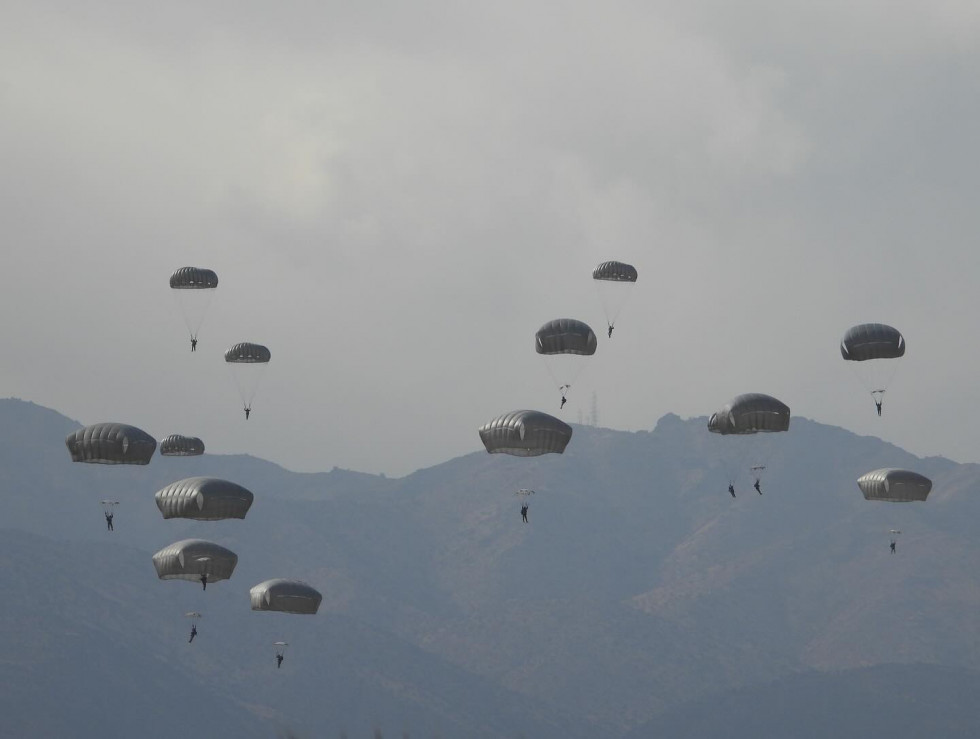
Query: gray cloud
[395, 199]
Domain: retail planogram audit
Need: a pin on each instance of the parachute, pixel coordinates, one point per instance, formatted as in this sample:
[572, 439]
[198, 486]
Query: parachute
[176, 445]
[524, 492]
[203, 499]
[894, 485]
[614, 281]
[873, 351]
[751, 413]
[108, 506]
[280, 647]
[194, 288]
[195, 560]
[110, 443]
[525, 434]
[248, 362]
[752, 419]
[287, 596]
[194, 616]
[563, 344]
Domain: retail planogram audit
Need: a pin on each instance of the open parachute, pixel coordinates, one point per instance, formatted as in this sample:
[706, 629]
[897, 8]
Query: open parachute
[177, 445]
[193, 288]
[525, 434]
[894, 485]
[204, 499]
[286, 596]
[248, 362]
[195, 560]
[563, 344]
[750, 420]
[614, 281]
[111, 443]
[872, 350]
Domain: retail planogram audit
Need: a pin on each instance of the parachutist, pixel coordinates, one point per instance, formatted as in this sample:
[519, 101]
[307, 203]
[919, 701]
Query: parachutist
[563, 401]
[524, 512]
[108, 521]
[878, 406]
[893, 547]
[610, 330]
[247, 411]
[731, 489]
[193, 345]
[193, 634]
[278, 660]
[204, 581]
[758, 487]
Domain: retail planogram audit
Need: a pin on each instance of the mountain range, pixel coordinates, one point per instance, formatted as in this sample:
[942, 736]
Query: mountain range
[640, 599]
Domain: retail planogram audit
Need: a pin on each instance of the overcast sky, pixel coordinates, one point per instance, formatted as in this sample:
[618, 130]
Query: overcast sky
[396, 196]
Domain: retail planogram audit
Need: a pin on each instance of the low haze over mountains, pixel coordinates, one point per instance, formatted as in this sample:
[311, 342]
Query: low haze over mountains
[640, 600]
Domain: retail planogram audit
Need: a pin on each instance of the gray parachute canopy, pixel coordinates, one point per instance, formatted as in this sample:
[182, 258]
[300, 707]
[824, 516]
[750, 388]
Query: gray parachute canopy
[525, 434]
[872, 341]
[565, 336]
[750, 414]
[191, 558]
[615, 272]
[111, 443]
[894, 485]
[204, 499]
[287, 596]
[247, 353]
[176, 445]
[193, 278]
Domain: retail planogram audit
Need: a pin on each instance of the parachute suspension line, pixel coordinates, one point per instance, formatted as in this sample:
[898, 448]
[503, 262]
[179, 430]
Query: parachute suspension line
[193, 306]
[562, 388]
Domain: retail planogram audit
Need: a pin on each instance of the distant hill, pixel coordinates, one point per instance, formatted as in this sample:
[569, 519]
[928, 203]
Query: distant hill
[894, 701]
[638, 586]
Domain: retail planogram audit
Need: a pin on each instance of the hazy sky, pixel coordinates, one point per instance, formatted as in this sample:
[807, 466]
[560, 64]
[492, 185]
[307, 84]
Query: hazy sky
[395, 196]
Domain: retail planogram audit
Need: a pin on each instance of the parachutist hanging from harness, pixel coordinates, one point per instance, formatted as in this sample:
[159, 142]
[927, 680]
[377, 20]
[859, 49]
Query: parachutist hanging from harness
[278, 660]
[893, 545]
[758, 486]
[731, 489]
[193, 633]
[524, 512]
[204, 581]
[108, 521]
[248, 409]
[609, 334]
[193, 343]
[878, 406]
